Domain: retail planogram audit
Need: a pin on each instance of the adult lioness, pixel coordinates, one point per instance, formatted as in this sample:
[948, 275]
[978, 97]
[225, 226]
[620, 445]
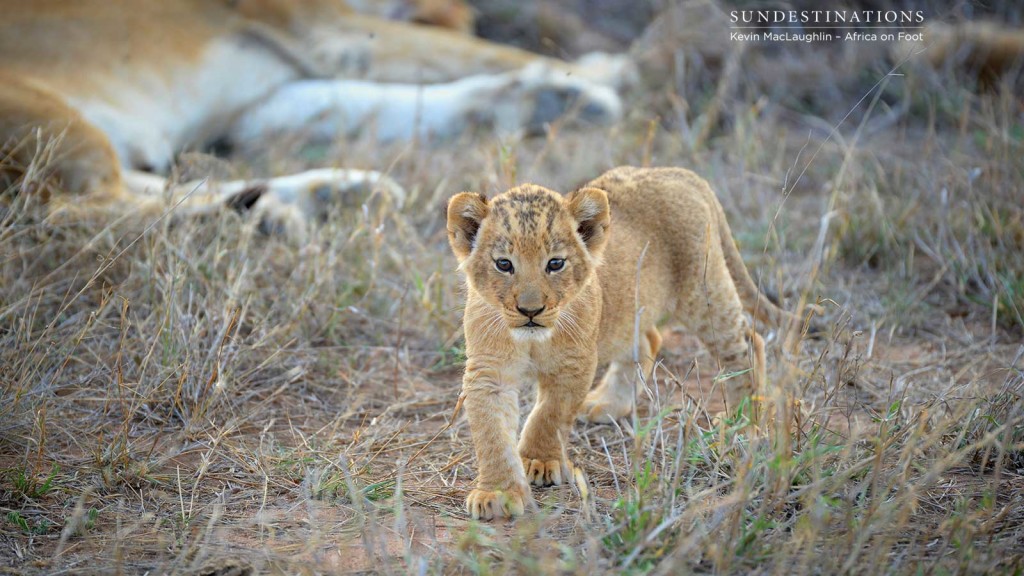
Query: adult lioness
[108, 91]
[552, 293]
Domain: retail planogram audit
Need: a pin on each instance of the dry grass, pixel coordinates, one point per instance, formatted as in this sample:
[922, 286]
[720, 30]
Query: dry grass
[194, 397]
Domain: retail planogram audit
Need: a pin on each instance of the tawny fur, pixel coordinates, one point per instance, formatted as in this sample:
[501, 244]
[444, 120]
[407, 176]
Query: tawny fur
[664, 224]
[453, 14]
[121, 86]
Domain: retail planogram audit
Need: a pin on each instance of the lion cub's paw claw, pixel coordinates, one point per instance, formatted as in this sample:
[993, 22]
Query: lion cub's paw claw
[549, 472]
[494, 504]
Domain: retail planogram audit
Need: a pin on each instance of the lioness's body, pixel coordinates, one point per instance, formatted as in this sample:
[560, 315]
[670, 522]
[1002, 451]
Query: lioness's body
[123, 85]
[665, 225]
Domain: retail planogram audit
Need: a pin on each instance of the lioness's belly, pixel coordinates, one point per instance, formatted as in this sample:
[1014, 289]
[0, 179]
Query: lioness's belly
[149, 115]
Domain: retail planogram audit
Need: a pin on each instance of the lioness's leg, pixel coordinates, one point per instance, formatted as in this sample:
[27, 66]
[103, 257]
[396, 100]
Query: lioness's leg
[614, 395]
[46, 142]
[396, 52]
[285, 204]
[525, 99]
[546, 432]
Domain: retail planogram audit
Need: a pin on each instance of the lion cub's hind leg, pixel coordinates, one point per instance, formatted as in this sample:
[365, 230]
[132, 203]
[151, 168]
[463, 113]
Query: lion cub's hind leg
[613, 398]
[715, 315]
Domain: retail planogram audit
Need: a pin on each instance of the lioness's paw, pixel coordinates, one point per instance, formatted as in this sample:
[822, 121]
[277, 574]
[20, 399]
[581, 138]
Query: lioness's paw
[281, 219]
[491, 504]
[538, 95]
[548, 472]
[618, 71]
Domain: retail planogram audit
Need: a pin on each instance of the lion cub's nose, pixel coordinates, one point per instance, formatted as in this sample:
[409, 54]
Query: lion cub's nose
[530, 313]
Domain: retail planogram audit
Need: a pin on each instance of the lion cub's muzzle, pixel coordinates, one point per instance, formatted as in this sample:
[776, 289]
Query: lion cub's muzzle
[533, 323]
[531, 314]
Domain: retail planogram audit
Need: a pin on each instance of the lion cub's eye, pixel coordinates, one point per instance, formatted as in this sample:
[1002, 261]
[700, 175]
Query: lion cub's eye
[504, 265]
[556, 264]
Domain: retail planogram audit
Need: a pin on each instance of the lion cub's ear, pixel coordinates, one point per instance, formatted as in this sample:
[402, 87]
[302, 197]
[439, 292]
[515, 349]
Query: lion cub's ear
[589, 207]
[465, 213]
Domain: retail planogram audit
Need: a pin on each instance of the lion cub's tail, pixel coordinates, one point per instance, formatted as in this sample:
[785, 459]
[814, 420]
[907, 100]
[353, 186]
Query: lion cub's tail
[755, 301]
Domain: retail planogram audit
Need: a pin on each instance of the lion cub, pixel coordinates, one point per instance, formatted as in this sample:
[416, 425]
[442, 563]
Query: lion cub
[552, 293]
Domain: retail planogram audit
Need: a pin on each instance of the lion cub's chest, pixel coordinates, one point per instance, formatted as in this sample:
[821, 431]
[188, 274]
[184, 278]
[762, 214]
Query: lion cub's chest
[535, 360]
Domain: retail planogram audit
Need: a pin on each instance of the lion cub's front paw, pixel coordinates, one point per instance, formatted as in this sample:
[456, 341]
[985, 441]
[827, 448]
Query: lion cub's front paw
[548, 472]
[491, 504]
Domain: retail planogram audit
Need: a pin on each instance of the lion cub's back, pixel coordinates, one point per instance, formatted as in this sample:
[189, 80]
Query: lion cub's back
[668, 211]
[658, 203]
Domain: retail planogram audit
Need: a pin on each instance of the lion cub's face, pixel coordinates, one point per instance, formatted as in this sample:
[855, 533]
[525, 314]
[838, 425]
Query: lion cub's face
[529, 252]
